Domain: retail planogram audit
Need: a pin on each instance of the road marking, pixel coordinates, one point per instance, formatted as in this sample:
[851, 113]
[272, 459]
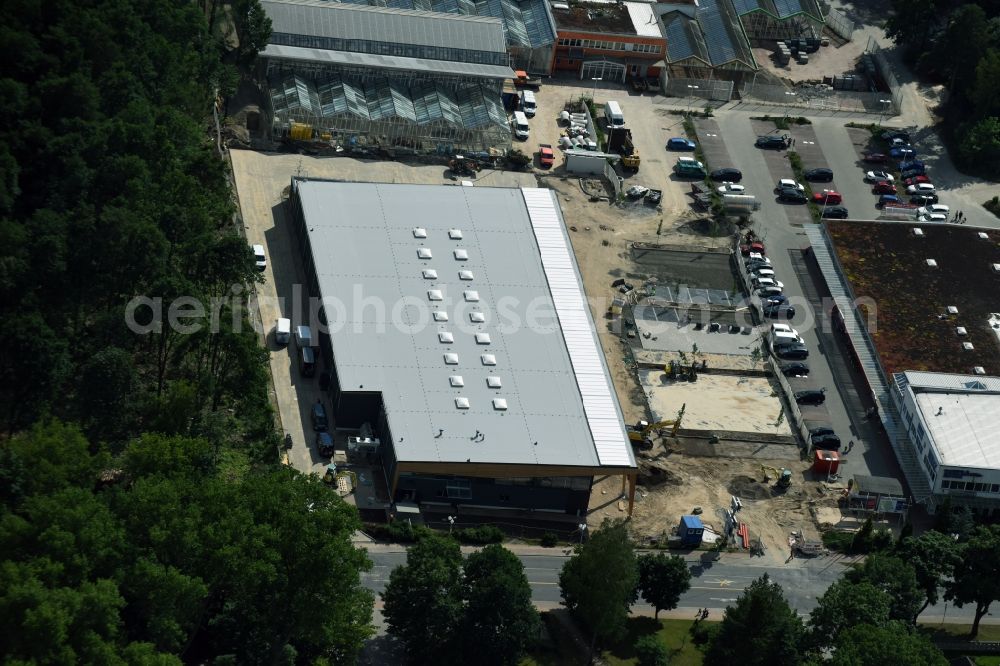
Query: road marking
[714, 599]
[725, 582]
[536, 582]
[812, 143]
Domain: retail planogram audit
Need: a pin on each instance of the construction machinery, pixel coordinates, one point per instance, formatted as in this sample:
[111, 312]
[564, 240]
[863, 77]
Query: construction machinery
[463, 166]
[620, 141]
[783, 477]
[641, 431]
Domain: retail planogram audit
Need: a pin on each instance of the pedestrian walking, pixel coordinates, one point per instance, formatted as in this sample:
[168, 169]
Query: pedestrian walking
[850, 445]
[961, 215]
[704, 614]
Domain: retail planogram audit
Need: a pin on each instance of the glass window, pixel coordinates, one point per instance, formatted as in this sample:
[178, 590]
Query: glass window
[995, 488]
[458, 489]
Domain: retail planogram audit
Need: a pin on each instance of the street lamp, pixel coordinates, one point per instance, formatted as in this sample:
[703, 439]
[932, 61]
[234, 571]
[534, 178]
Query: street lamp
[885, 104]
[790, 94]
[451, 523]
[593, 95]
[583, 529]
[693, 95]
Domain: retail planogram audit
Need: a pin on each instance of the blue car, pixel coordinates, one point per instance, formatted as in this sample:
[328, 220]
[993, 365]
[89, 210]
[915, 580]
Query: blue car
[324, 444]
[680, 143]
[903, 152]
[886, 199]
[912, 164]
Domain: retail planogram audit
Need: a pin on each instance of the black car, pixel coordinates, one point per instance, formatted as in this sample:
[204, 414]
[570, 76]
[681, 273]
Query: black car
[773, 142]
[319, 420]
[778, 310]
[324, 444]
[811, 397]
[795, 351]
[795, 370]
[819, 431]
[910, 173]
[819, 175]
[835, 213]
[792, 195]
[728, 174]
[826, 442]
[924, 199]
[890, 135]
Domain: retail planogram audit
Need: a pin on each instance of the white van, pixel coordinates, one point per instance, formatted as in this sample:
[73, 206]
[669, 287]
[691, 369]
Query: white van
[613, 114]
[528, 104]
[283, 331]
[520, 125]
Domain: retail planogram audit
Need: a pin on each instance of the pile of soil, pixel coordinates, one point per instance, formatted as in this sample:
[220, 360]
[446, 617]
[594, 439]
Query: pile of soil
[651, 475]
[745, 487]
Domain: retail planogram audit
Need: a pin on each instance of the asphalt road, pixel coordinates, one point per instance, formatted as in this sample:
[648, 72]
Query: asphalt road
[714, 584]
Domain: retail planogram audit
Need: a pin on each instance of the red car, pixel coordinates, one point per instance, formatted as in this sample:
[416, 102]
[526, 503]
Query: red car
[917, 179]
[545, 155]
[883, 187]
[754, 246]
[877, 158]
[828, 197]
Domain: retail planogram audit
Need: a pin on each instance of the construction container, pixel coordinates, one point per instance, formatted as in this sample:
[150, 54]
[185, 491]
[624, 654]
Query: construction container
[300, 132]
[744, 203]
[691, 530]
[826, 463]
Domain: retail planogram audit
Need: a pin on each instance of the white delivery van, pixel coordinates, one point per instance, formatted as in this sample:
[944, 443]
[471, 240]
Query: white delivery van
[520, 125]
[303, 336]
[283, 331]
[613, 114]
[528, 104]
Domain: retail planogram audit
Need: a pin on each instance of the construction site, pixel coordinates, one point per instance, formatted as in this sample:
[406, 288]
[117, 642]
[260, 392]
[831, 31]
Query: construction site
[704, 410]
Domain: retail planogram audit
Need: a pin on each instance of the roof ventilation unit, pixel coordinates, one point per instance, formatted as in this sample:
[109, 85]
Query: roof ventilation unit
[424, 253]
[477, 317]
[979, 370]
[483, 338]
[499, 404]
[952, 310]
[984, 236]
[430, 274]
[967, 346]
[918, 232]
[434, 295]
[932, 263]
[493, 382]
[455, 234]
[446, 338]
[461, 255]
[996, 268]
[440, 315]
[462, 403]
[465, 275]
[451, 359]
[456, 381]
[488, 359]
[960, 330]
[420, 232]
[471, 295]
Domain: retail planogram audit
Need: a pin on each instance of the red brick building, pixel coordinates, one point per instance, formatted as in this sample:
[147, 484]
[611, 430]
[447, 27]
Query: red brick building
[612, 42]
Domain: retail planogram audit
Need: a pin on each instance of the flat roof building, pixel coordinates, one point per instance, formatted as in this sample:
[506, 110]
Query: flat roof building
[459, 330]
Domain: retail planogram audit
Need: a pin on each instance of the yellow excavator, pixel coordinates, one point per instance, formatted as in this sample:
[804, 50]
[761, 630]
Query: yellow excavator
[640, 432]
[783, 477]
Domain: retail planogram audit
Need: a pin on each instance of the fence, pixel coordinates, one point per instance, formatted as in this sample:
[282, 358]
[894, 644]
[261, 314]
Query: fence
[821, 98]
[885, 71]
[617, 182]
[839, 24]
[714, 90]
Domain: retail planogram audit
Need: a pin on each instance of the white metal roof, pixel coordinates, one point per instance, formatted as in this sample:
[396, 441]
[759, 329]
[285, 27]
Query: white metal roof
[558, 405]
[644, 19]
[397, 63]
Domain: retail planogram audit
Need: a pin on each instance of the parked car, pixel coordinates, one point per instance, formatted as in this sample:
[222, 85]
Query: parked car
[785, 329]
[912, 173]
[795, 370]
[878, 176]
[828, 197]
[886, 199]
[283, 331]
[546, 157]
[769, 291]
[819, 175]
[829, 442]
[790, 184]
[934, 208]
[773, 141]
[752, 248]
[903, 152]
[319, 420]
[754, 265]
[324, 444]
[779, 310]
[810, 397]
[727, 174]
[913, 180]
[835, 213]
[776, 298]
[792, 196]
[920, 188]
[932, 217]
[680, 143]
[731, 188]
[911, 164]
[762, 272]
[924, 199]
[889, 135]
[876, 158]
[791, 351]
[760, 282]
[819, 431]
[259, 258]
[883, 187]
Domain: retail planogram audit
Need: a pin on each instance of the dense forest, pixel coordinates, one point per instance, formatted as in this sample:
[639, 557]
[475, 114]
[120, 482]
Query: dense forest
[144, 517]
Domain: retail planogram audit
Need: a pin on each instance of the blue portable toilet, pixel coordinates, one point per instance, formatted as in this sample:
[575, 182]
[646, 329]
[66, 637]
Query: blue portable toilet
[691, 530]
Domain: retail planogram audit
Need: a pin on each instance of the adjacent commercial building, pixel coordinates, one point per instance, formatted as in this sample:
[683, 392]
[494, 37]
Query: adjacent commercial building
[609, 41]
[460, 337]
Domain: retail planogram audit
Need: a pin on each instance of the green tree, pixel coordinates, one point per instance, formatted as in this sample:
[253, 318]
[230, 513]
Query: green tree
[760, 629]
[253, 28]
[500, 620]
[963, 43]
[107, 381]
[651, 651]
[910, 23]
[933, 556]
[980, 143]
[423, 601]
[976, 578]
[662, 580]
[898, 579]
[986, 89]
[894, 643]
[846, 604]
[862, 542]
[602, 601]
